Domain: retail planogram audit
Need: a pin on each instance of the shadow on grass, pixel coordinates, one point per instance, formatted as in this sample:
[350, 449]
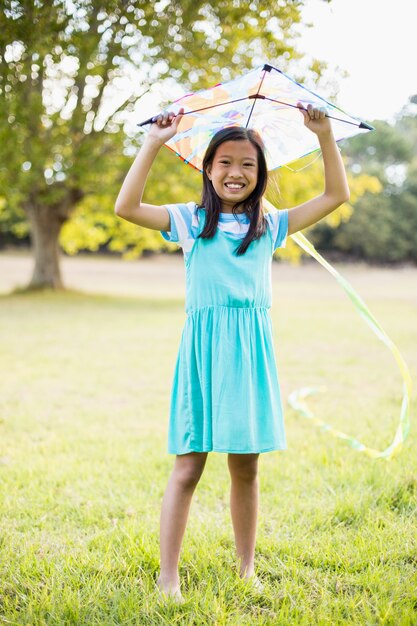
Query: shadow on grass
[57, 295]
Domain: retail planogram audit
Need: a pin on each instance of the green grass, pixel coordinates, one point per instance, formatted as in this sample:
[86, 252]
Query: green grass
[85, 386]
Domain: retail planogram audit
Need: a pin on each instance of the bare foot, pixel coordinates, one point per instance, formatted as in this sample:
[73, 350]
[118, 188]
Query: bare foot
[255, 583]
[169, 589]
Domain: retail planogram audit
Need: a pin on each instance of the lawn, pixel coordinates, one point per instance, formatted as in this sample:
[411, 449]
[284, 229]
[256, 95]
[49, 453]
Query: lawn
[85, 386]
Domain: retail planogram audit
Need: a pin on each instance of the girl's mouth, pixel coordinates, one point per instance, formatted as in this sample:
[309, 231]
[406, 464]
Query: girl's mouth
[234, 186]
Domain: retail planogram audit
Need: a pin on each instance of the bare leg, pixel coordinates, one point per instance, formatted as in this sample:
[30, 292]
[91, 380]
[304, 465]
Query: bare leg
[176, 503]
[244, 499]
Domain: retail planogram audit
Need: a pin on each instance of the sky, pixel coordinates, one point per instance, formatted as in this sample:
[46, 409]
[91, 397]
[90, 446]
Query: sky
[375, 41]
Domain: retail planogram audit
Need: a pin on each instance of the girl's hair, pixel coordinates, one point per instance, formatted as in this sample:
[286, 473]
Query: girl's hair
[252, 205]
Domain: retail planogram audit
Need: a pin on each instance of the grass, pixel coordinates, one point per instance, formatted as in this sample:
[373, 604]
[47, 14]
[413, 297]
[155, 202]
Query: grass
[85, 386]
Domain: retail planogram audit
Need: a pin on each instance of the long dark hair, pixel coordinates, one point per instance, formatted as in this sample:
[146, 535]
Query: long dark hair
[252, 206]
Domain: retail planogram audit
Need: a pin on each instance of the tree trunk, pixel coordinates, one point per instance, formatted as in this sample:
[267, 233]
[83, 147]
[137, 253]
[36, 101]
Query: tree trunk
[45, 225]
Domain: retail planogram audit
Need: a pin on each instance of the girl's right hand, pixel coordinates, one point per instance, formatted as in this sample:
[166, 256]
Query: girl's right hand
[166, 126]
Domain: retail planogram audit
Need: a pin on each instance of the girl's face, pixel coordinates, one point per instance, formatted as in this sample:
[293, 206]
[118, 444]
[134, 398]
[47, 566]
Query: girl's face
[234, 172]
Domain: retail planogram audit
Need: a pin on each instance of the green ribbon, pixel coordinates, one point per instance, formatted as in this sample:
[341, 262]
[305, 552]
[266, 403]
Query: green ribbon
[297, 398]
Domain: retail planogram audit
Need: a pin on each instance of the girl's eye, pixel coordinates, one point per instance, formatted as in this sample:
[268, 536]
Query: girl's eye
[248, 164]
[225, 162]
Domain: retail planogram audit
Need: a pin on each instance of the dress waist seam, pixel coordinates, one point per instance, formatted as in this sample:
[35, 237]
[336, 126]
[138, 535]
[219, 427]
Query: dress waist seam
[226, 306]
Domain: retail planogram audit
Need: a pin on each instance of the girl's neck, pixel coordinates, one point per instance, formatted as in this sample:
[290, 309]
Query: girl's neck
[229, 210]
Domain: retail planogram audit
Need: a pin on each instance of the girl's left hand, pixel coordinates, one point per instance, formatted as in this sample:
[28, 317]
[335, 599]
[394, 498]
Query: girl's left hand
[315, 118]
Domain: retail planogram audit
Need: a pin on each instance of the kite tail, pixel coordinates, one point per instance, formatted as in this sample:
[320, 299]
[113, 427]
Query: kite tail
[296, 398]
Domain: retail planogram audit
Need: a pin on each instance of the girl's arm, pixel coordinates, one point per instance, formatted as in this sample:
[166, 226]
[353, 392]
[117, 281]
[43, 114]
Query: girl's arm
[129, 203]
[336, 190]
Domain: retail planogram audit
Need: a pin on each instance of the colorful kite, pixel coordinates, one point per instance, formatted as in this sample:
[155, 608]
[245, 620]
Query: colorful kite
[265, 99]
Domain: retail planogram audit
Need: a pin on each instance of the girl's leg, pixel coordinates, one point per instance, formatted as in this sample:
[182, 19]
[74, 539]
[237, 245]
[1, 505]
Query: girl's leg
[244, 498]
[187, 471]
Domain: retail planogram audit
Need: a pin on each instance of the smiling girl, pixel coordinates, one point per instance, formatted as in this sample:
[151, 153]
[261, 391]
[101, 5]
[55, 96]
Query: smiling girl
[225, 394]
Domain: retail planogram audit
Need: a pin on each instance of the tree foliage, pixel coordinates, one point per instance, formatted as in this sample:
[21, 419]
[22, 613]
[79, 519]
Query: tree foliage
[61, 64]
[65, 153]
[383, 227]
[290, 186]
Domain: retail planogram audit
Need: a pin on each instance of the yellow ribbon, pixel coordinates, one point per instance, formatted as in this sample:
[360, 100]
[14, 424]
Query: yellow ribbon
[297, 398]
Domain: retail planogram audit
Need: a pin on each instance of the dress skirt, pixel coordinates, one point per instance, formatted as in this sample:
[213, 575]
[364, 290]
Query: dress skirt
[225, 394]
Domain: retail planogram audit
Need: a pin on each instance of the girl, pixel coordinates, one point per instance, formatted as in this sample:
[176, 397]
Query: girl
[225, 394]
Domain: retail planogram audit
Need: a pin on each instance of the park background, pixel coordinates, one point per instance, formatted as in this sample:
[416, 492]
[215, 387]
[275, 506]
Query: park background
[92, 309]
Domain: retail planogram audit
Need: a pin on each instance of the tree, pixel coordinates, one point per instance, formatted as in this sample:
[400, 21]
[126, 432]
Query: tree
[290, 186]
[383, 226]
[61, 61]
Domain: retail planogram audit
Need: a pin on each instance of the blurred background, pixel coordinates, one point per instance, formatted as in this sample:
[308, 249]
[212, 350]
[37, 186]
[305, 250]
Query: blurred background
[76, 78]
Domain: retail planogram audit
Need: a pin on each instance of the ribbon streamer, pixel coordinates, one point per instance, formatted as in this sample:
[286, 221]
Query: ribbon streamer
[296, 398]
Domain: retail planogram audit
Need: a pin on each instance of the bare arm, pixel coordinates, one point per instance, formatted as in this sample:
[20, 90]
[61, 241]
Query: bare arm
[129, 203]
[336, 190]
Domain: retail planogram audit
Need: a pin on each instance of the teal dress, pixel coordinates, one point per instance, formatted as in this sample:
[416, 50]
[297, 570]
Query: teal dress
[225, 393]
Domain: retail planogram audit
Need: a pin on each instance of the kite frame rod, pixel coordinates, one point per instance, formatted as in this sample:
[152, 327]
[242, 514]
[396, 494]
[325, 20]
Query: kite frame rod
[332, 117]
[256, 96]
[151, 120]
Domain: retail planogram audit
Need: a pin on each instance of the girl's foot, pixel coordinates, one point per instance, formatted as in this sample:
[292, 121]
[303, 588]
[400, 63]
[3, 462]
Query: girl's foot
[169, 590]
[255, 583]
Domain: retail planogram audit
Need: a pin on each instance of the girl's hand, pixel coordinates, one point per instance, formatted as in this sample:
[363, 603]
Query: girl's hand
[315, 119]
[166, 126]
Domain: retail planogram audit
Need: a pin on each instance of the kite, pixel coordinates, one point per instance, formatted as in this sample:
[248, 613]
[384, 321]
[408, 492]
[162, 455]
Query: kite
[265, 99]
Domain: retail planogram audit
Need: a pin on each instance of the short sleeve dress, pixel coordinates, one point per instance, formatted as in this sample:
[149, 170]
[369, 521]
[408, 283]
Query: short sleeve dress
[225, 394]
